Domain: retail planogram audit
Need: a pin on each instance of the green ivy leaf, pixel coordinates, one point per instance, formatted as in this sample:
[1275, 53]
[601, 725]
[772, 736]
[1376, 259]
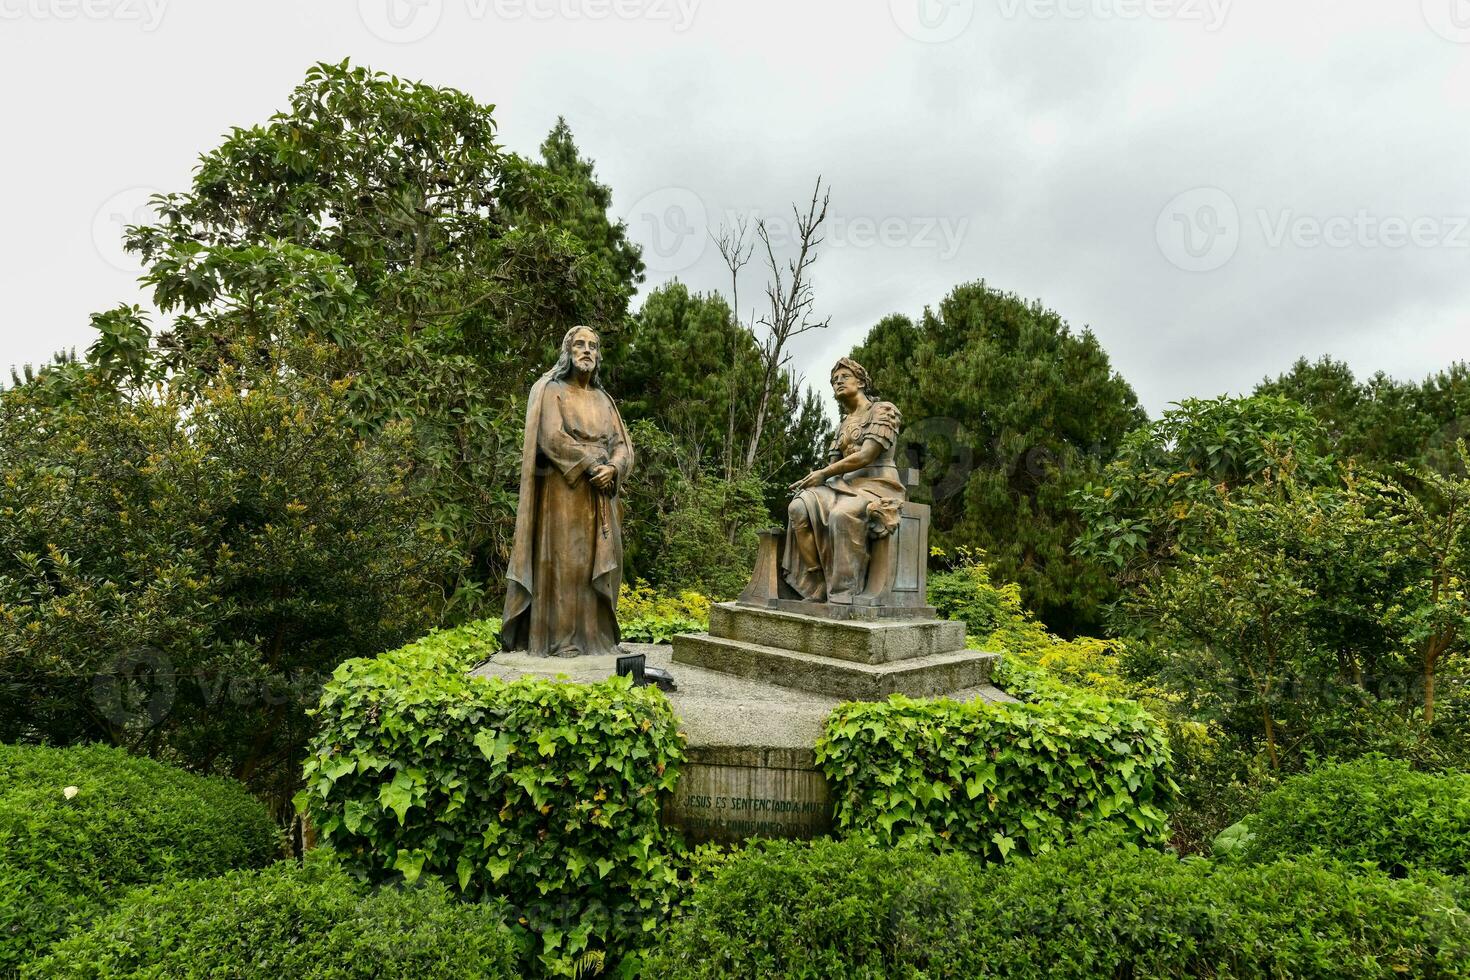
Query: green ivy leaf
[397, 796]
[411, 863]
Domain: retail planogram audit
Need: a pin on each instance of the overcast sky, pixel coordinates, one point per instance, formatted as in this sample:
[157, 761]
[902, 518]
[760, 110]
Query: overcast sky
[1214, 187]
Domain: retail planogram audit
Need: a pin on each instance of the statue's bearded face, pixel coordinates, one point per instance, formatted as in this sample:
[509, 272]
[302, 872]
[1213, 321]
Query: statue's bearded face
[586, 351]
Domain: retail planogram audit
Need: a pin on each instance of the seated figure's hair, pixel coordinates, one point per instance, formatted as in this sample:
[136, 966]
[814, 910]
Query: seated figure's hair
[859, 372]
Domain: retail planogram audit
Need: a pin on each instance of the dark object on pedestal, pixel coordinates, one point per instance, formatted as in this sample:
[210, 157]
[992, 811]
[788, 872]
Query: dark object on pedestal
[635, 665]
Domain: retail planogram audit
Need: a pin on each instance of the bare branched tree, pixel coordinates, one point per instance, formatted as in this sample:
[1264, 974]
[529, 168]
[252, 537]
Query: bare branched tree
[736, 252]
[789, 293]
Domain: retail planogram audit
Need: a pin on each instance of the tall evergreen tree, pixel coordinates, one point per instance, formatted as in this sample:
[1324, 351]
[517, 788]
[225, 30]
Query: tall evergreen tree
[1381, 421]
[585, 205]
[1009, 410]
[685, 367]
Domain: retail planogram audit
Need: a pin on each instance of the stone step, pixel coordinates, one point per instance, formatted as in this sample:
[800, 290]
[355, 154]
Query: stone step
[925, 676]
[877, 642]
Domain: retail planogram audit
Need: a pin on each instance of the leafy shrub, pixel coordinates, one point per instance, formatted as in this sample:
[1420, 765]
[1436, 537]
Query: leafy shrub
[1375, 812]
[545, 792]
[993, 778]
[130, 821]
[34, 911]
[1216, 780]
[781, 908]
[179, 564]
[964, 591]
[708, 537]
[648, 616]
[1098, 909]
[313, 923]
[996, 619]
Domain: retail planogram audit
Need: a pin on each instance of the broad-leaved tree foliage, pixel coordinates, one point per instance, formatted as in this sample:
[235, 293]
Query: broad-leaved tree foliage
[183, 562]
[1380, 420]
[443, 268]
[1145, 509]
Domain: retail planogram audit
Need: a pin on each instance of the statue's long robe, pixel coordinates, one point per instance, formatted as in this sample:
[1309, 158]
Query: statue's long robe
[567, 561]
[837, 518]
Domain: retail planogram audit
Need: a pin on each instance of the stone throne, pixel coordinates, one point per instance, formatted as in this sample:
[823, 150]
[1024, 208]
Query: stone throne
[887, 641]
[898, 572]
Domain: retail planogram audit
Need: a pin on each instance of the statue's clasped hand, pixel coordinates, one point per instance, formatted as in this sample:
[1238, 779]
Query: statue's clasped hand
[604, 477]
[813, 479]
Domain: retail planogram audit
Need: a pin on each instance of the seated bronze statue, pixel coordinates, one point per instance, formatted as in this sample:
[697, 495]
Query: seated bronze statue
[856, 498]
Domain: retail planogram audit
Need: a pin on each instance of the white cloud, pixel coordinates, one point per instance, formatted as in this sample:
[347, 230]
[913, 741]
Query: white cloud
[1046, 143]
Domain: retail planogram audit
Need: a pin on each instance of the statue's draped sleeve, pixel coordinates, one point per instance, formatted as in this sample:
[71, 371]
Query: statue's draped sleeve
[622, 454]
[518, 578]
[571, 456]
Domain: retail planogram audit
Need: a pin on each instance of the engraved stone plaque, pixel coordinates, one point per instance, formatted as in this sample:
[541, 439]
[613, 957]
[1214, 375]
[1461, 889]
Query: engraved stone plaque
[726, 795]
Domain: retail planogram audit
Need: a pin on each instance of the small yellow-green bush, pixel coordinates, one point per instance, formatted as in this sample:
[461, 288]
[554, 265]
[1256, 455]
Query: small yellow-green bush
[648, 616]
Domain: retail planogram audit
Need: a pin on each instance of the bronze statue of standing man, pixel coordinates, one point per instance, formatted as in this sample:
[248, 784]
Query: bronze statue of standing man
[567, 561]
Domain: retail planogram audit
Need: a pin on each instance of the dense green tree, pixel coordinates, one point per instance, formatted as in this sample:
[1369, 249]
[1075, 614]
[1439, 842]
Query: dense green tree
[1430, 525]
[584, 212]
[685, 363]
[1238, 622]
[1314, 619]
[1145, 509]
[687, 377]
[1381, 421]
[181, 563]
[1286, 573]
[1009, 410]
[383, 214]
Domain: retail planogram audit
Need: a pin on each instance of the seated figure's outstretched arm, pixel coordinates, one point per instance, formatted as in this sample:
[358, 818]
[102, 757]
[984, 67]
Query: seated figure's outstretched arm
[864, 455]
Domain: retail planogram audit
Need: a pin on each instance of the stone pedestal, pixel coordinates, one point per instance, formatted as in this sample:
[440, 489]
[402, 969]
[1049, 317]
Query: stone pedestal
[751, 768]
[852, 660]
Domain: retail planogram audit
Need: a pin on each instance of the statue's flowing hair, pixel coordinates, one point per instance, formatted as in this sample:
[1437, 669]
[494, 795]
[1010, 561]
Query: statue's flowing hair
[859, 372]
[564, 366]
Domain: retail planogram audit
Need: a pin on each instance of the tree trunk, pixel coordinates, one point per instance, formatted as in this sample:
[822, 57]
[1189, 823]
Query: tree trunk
[1430, 660]
[1270, 737]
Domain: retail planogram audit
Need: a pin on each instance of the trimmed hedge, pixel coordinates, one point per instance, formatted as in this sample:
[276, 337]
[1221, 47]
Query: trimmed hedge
[993, 779]
[312, 923]
[1100, 908]
[131, 821]
[1375, 812]
[547, 793]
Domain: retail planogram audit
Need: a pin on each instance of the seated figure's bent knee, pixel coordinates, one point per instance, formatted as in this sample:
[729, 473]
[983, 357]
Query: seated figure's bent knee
[796, 512]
